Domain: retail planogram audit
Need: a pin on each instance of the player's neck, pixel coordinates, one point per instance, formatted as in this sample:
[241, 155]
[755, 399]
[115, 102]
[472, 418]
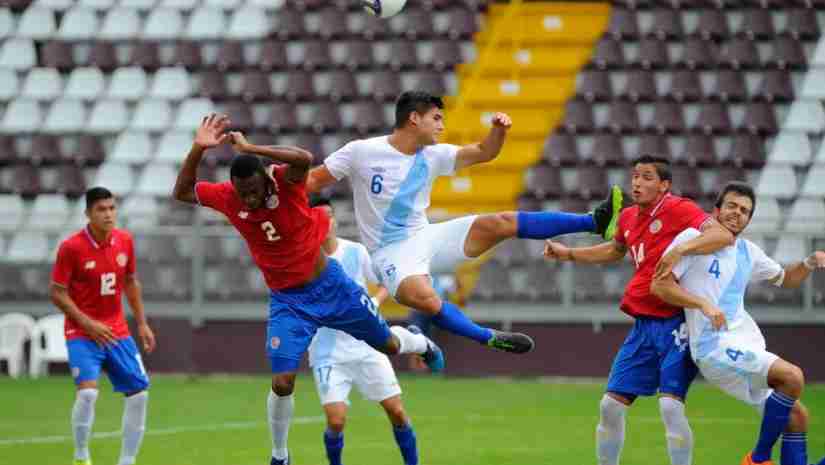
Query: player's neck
[647, 207]
[403, 142]
[330, 245]
[100, 236]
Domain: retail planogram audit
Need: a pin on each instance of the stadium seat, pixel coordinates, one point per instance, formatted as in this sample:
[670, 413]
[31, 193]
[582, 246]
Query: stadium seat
[661, 23]
[272, 56]
[85, 84]
[15, 330]
[227, 5]
[686, 183]
[163, 24]
[156, 180]
[49, 213]
[787, 54]
[706, 24]
[813, 186]
[173, 147]
[647, 54]
[12, 212]
[98, 4]
[459, 24]
[36, 23]
[117, 177]
[299, 87]
[146, 55]
[606, 151]
[805, 115]
[790, 249]
[213, 86]
[578, 117]
[593, 86]
[7, 23]
[758, 118]
[120, 24]
[775, 86]
[683, 86]
[248, 22]
[728, 86]
[807, 216]
[191, 112]
[70, 181]
[739, 54]
[622, 25]
[662, 118]
[640, 87]
[171, 84]
[752, 24]
[608, 55]
[9, 84]
[18, 54]
[188, 55]
[777, 181]
[88, 152]
[240, 116]
[256, 87]
[133, 148]
[45, 150]
[48, 345]
[793, 148]
[142, 5]
[801, 25]
[768, 217]
[28, 247]
[206, 23]
[324, 118]
[42, 84]
[151, 115]
[128, 83]
[79, 24]
[8, 151]
[108, 116]
[22, 116]
[543, 182]
[696, 54]
[813, 86]
[103, 56]
[698, 151]
[66, 116]
[542, 282]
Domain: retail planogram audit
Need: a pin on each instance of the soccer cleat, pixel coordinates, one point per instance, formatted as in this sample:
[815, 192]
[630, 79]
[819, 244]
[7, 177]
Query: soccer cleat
[275, 461]
[748, 460]
[606, 214]
[433, 357]
[82, 462]
[516, 343]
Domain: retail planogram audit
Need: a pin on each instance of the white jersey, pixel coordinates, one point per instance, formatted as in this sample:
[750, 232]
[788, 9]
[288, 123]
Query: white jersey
[391, 190]
[722, 278]
[330, 346]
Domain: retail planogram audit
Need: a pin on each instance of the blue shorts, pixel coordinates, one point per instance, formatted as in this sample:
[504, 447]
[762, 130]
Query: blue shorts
[332, 300]
[655, 357]
[121, 361]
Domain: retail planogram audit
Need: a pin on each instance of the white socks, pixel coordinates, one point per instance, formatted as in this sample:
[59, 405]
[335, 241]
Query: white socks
[610, 431]
[279, 411]
[677, 431]
[134, 424]
[410, 343]
[83, 416]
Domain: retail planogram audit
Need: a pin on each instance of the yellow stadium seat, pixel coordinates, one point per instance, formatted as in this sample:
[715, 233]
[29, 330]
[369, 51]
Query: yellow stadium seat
[545, 29]
[464, 188]
[529, 61]
[514, 93]
[472, 124]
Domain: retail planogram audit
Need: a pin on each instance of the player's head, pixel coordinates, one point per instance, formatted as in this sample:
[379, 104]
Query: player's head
[326, 205]
[422, 113]
[650, 179]
[101, 209]
[249, 180]
[735, 206]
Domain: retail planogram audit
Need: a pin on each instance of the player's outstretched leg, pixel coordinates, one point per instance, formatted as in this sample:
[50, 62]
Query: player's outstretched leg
[336, 413]
[134, 425]
[279, 405]
[402, 429]
[788, 382]
[83, 416]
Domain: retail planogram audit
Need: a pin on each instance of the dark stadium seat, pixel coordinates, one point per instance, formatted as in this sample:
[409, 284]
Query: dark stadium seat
[667, 25]
[88, 151]
[230, 56]
[802, 25]
[747, 151]
[372, 28]
[607, 150]
[622, 24]
[103, 56]
[578, 117]
[608, 54]
[8, 151]
[713, 118]
[641, 87]
[56, 54]
[560, 150]
[788, 54]
[45, 150]
[667, 118]
[256, 87]
[588, 284]
[188, 55]
[289, 25]
[461, 24]
[342, 86]
[312, 143]
[417, 24]
[357, 55]
[511, 253]
[739, 54]
[369, 117]
[490, 284]
[403, 55]
[544, 181]
[446, 54]
[273, 56]
[698, 54]
[653, 144]
[594, 86]
[725, 174]
[240, 115]
[146, 55]
[432, 82]
[333, 24]
[711, 24]
[756, 24]
[684, 86]
[730, 87]
[542, 282]
[325, 118]
[775, 87]
[759, 118]
[26, 181]
[528, 202]
[299, 86]
[316, 56]
[686, 182]
[653, 54]
[386, 86]
[591, 183]
[622, 118]
[213, 85]
[699, 151]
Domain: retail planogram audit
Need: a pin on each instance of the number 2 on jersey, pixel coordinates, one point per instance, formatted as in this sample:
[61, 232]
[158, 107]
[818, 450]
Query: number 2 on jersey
[107, 283]
[271, 232]
[714, 268]
[638, 254]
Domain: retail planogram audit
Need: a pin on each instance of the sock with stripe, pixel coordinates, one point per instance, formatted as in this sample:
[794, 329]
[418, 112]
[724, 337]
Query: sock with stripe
[334, 442]
[774, 421]
[455, 321]
[794, 449]
[544, 225]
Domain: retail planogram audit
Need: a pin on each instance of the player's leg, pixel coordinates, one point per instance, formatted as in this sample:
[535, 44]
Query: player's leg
[336, 414]
[85, 361]
[788, 381]
[794, 439]
[334, 383]
[280, 405]
[489, 230]
[402, 429]
[676, 374]
[125, 369]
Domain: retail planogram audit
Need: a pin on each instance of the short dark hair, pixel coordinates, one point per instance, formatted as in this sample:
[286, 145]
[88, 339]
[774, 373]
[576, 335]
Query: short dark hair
[738, 187]
[418, 101]
[661, 164]
[96, 194]
[244, 166]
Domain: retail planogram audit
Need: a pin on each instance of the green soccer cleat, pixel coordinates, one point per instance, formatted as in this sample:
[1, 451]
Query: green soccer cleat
[606, 214]
[516, 343]
[82, 462]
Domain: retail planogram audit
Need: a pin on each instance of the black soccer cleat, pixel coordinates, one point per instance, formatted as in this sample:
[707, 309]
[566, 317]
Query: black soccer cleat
[517, 343]
[275, 461]
[606, 214]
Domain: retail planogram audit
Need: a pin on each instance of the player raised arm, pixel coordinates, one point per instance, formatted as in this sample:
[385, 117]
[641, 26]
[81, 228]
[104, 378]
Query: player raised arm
[671, 292]
[792, 276]
[606, 252]
[319, 178]
[298, 159]
[714, 237]
[210, 134]
[488, 149]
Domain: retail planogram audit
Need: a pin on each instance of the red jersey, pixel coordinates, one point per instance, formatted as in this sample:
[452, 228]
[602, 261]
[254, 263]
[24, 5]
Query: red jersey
[647, 234]
[94, 275]
[284, 236]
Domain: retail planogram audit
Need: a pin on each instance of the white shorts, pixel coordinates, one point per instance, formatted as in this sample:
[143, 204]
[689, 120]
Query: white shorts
[373, 377]
[439, 247]
[740, 372]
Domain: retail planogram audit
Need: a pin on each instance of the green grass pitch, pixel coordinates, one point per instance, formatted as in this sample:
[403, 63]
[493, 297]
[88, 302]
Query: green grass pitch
[221, 420]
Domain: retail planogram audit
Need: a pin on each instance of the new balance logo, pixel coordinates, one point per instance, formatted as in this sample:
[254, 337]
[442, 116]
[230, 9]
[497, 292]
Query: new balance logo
[90, 265]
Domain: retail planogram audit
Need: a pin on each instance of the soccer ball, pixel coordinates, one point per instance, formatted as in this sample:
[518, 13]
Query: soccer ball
[383, 8]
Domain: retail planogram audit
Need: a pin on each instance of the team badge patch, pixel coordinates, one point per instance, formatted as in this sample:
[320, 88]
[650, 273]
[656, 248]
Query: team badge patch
[75, 372]
[122, 259]
[275, 342]
[272, 202]
[655, 226]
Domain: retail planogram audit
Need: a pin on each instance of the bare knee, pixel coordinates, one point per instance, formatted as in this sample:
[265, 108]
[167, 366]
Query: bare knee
[417, 292]
[336, 422]
[503, 224]
[798, 422]
[283, 385]
[395, 412]
[787, 378]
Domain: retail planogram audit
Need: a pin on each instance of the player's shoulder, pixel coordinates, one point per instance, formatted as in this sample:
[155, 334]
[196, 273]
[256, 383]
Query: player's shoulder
[687, 235]
[367, 143]
[675, 203]
[74, 240]
[751, 246]
[628, 213]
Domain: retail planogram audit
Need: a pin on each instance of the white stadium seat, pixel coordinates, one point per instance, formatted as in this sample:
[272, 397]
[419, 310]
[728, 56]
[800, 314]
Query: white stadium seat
[36, 23]
[206, 23]
[163, 24]
[807, 216]
[22, 115]
[18, 54]
[12, 212]
[79, 24]
[152, 115]
[141, 211]
[28, 247]
[85, 84]
[7, 23]
[120, 24]
[9, 84]
[805, 115]
[171, 84]
[183, 5]
[132, 148]
[143, 5]
[109, 116]
[43, 84]
[117, 177]
[814, 185]
[791, 148]
[174, 146]
[57, 5]
[249, 23]
[191, 112]
[49, 213]
[128, 83]
[814, 85]
[767, 217]
[777, 181]
[98, 4]
[157, 180]
[15, 330]
[790, 249]
[66, 115]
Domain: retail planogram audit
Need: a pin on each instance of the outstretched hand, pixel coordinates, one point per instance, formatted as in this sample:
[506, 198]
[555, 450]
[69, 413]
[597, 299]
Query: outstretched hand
[502, 120]
[211, 132]
[238, 140]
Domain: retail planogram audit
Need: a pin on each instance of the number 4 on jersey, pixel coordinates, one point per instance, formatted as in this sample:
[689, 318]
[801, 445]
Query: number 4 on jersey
[714, 268]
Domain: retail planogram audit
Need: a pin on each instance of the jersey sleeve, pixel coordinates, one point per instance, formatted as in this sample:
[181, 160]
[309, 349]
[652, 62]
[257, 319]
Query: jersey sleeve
[622, 229]
[212, 195]
[683, 265]
[445, 155]
[339, 163]
[764, 267]
[366, 263]
[691, 214]
[63, 266]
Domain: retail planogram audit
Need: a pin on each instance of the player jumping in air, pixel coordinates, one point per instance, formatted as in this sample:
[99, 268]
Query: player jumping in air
[94, 267]
[270, 209]
[391, 179]
[339, 361]
[654, 357]
[725, 341]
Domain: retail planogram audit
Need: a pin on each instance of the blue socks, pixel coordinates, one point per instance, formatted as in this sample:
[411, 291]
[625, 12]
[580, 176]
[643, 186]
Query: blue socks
[405, 437]
[774, 420]
[794, 449]
[334, 443]
[544, 225]
[453, 320]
